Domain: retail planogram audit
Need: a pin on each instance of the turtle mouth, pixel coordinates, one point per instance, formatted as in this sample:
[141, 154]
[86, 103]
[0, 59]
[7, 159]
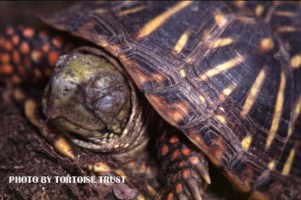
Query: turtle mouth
[89, 98]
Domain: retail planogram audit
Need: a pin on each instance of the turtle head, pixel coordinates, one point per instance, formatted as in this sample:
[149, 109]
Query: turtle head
[91, 100]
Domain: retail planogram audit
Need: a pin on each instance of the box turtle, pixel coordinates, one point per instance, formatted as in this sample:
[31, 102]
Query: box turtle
[225, 75]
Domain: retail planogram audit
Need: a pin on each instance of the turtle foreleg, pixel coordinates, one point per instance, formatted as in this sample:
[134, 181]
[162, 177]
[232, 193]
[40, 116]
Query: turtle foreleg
[185, 168]
[27, 55]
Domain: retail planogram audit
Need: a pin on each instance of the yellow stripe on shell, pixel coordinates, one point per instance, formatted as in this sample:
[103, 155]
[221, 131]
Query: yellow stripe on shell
[278, 110]
[100, 11]
[254, 91]
[155, 23]
[246, 142]
[222, 67]
[295, 61]
[220, 19]
[182, 73]
[272, 164]
[259, 10]
[285, 29]
[296, 113]
[220, 42]
[288, 164]
[221, 118]
[202, 99]
[226, 92]
[181, 42]
[266, 44]
[131, 11]
[240, 3]
[247, 20]
[284, 13]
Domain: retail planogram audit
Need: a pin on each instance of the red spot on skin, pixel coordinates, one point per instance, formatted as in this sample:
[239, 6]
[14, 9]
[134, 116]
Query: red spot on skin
[175, 154]
[7, 69]
[45, 48]
[170, 196]
[24, 48]
[164, 150]
[21, 69]
[186, 151]
[179, 188]
[5, 58]
[15, 40]
[37, 73]
[194, 160]
[36, 56]
[16, 56]
[185, 173]
[57, 42]
[43, 34]
[143, 168]
[9, 31]
[52, 57]
[7, 45]
[181, 165]
[16, 79]
[173, 139]
[28, 32]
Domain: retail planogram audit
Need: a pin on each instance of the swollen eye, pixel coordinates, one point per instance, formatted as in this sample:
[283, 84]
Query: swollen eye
[105, 94]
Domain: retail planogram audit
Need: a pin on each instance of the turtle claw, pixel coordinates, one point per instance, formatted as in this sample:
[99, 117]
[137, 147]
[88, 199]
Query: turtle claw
[192, 185]
[203, 172]
[186, 168]
[182, 197]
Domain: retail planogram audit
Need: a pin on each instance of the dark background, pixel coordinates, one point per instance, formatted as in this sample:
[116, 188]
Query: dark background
[25, 12]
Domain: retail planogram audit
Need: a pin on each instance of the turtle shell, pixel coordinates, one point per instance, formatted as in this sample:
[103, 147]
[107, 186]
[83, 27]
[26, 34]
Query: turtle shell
[227, 77]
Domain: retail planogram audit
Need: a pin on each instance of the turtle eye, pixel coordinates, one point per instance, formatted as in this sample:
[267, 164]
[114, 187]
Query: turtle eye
[105, 94]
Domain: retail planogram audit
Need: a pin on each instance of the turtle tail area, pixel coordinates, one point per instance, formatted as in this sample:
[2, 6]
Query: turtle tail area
[185, 168]
[28, 55]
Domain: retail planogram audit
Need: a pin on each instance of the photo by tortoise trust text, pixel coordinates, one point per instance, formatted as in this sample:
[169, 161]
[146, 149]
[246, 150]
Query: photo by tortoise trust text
[67, 179]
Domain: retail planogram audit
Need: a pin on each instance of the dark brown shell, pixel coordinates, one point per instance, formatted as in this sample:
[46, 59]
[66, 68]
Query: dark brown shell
[227, 77]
